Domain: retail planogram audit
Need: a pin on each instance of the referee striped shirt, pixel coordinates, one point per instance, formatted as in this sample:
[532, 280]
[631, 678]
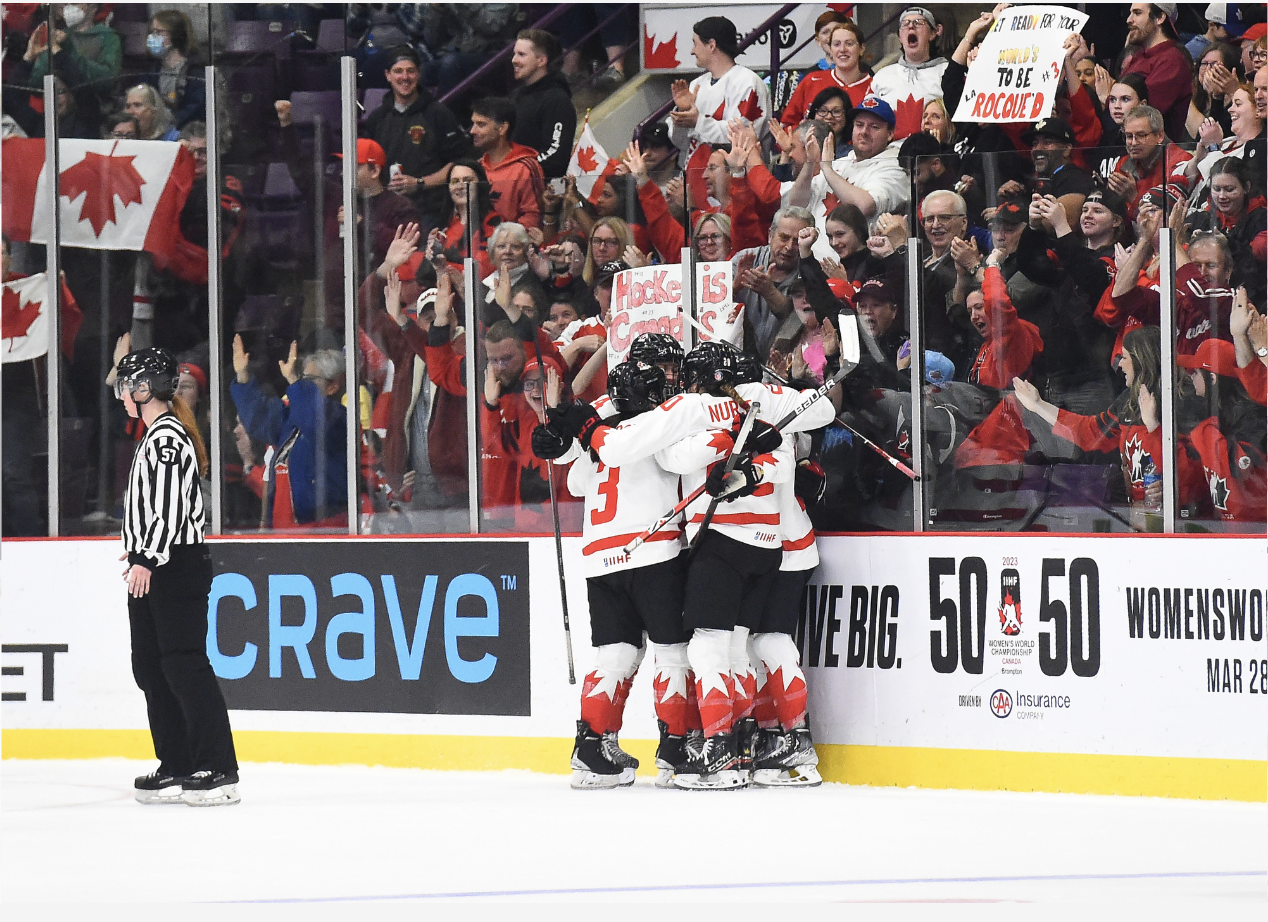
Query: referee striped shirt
[163, 505]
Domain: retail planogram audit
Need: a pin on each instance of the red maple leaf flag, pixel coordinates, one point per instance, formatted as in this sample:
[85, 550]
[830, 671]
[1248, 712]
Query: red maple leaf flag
[907, 116]
[23, 325]
[590, 164]
[100, 180]
[662, 55]
[751, 107]
[114, 195]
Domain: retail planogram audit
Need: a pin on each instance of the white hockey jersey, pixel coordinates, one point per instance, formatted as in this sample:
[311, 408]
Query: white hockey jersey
[739, 93]
[907, 87]
[688, 415]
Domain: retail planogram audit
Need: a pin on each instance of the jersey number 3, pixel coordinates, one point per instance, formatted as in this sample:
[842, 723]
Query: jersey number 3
[607, 490]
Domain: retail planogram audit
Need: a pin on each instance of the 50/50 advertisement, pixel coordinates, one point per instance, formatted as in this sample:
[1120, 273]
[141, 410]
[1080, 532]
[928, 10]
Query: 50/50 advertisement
[1115, 646]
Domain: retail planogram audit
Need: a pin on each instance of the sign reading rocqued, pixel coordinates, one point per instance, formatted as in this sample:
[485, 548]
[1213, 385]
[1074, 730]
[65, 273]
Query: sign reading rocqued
[1116, 646]
[1018, 66]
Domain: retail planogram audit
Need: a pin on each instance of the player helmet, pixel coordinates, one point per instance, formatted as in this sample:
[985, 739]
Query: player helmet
[751, 370]
[635, 387]
[713, 366]
[660, 349]
[152, 366]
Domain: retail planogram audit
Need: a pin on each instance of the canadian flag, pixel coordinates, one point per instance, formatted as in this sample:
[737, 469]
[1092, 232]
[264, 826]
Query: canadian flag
[24, 326]
[590, 164]
[114, 194]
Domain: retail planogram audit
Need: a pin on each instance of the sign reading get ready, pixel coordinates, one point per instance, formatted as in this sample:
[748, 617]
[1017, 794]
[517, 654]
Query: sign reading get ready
[1018, 66]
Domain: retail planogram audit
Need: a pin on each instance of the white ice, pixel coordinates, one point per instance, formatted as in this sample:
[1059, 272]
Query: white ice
[361, 837]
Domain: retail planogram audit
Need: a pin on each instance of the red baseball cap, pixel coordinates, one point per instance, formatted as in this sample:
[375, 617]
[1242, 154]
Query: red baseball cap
[369, 151]
[1215, 355]
[197, 374]
[1255, 32]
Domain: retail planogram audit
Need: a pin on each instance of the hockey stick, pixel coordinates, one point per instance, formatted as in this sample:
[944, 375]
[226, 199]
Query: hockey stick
[876, 448]
[732, 459]
[682, 504]
[554, 518]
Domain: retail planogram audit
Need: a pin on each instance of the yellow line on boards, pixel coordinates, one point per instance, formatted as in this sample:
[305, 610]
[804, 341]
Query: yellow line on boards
[881, 766]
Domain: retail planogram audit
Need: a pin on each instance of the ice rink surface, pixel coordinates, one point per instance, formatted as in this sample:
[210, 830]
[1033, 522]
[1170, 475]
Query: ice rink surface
[342, 841]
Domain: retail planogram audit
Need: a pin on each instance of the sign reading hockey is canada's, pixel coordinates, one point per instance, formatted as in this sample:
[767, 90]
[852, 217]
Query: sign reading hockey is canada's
[342, 626]
[1018, 67]
[644, 300]
[1115, 646]
[715, 306]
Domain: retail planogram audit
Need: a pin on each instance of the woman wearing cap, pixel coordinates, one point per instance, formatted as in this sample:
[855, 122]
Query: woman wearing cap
[169, 578]
[848, 73]
[1226, 451]
[1130, 424]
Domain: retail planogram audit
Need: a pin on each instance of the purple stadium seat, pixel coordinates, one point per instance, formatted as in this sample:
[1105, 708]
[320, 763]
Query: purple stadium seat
[255, 37]
[306, 107]
[373, 99]
[331, 36]
[278, 185]
[133, 35]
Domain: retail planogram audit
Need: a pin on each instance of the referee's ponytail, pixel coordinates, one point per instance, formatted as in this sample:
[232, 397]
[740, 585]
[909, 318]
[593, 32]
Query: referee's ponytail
[186, 416]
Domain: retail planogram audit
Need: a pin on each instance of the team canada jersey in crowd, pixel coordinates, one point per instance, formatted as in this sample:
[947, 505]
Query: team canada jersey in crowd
[619, 504]
[1169, 169]
[1237, 485]
[697, 417]
[1138, 448]
[739, 93]
[907, 87]
[1201, 311]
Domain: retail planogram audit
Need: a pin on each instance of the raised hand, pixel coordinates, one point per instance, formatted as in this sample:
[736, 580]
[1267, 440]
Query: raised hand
[1104, 83]
[833, 269]
[965, 254]
[444, 300]
[283, 109]
[1027, 394]
[635, 258]
[554, 387]
[288, 367]
[684, 97]
[806, 238]
[638, 166]
[1148, 404]
[241, 361]
[392, 298]
[1210, 132]
[783, 136]
[401, 248]
[831, 339]
[1121, 184]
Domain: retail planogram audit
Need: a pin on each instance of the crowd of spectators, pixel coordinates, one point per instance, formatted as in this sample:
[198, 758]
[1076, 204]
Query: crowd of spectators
[1039, 271]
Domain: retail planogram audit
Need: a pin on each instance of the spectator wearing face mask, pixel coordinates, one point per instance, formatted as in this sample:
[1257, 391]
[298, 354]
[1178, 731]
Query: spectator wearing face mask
[176, 76]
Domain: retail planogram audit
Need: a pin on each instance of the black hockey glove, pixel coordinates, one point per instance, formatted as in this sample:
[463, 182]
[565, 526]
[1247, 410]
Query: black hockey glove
[549, 442]
[810, 482]
[762, 438]
[742, 482]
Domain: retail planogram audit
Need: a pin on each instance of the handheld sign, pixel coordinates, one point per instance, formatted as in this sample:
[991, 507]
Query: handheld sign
[644, 300]
[1018, 67]
[720, 318]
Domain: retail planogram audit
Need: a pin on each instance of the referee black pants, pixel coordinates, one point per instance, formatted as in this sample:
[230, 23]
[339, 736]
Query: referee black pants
[188, 718]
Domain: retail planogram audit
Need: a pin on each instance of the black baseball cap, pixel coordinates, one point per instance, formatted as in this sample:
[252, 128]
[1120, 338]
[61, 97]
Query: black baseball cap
[1011, 211]
[1049, 128]
[655, 135]
[609, 269]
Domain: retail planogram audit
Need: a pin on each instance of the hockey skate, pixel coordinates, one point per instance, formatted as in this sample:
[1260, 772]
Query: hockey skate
[789, 760]
[712, 766]
[158, 787]
[211, 789]
[598, 761]
[746, 737]
[671, 754]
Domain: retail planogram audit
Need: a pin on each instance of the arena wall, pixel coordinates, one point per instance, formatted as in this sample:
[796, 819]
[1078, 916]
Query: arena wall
[1036, 662]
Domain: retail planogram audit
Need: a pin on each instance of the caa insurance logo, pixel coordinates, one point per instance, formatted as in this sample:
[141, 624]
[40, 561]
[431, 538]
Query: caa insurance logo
[1001, 703]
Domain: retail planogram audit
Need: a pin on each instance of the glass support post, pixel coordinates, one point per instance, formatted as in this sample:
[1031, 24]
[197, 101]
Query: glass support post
[215, 297]
[348, 87]
[52, 273]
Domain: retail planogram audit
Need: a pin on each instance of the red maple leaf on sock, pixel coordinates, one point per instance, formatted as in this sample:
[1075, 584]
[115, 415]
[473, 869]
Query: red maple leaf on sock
[751, 107]
[664, 55]
[586, 159]
[15, 317]
[99, 179]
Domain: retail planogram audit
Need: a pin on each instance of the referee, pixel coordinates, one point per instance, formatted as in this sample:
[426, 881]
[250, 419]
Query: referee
[169, 578]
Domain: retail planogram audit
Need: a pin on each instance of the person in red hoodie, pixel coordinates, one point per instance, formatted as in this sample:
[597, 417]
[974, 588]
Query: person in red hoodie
[1130, 423]
[515, 177]
[1010, 346]
[1227, 449]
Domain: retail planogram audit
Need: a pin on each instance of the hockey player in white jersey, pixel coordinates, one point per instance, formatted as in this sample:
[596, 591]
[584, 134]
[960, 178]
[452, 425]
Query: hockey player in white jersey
[727, 573]
[629, 593]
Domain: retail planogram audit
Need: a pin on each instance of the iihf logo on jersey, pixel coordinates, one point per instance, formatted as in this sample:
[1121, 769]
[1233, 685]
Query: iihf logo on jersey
[1010, 603]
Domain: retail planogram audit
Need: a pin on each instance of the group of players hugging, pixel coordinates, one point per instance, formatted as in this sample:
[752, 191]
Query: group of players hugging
[717, 591]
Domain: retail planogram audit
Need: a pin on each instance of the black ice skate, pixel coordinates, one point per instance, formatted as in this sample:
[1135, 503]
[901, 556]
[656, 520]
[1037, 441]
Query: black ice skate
[211, 789]
[746, 736]
[158, 787]
[713, 766]
[789, 760]
[598, 762]
[672, 755]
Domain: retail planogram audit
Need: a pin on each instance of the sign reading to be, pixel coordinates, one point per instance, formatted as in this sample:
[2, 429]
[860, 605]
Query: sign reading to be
[1018, 66]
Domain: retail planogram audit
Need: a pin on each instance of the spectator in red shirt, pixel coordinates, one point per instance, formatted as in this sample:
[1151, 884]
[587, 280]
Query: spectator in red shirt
[515, 177]
[848, 53]
[1162, 61]
[1150, 159]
